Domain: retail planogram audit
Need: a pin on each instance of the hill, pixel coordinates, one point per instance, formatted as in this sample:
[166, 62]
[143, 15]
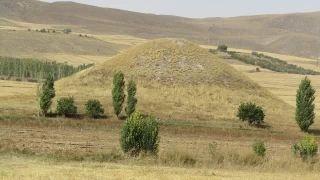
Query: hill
[178, 80]
[292, 34]
[45, 46]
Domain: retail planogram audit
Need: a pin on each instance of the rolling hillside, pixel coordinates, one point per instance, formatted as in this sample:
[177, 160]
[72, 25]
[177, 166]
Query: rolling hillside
[178, 80]
[292, 34]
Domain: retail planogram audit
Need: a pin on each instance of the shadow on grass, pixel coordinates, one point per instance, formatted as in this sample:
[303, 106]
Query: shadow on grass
[75, 116]
[71, 116]
[262, 126]
[315, 132]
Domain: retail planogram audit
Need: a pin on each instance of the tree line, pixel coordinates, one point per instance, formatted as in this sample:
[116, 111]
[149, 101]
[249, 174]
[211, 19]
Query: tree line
[36, 69]
[138, 134]
[273, 64]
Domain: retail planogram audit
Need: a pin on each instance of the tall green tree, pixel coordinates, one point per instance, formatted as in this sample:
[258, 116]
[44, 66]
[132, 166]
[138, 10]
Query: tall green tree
[131, 99]
[305, 105]
[47, 94]
[118, 95]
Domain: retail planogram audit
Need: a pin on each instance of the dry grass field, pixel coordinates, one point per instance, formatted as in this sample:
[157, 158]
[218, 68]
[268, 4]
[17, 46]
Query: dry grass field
[192, 116]
[37, 168]
[281, 84]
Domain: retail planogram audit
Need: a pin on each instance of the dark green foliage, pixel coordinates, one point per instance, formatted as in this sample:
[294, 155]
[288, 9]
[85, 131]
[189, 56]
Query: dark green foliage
[307, 148]
[273, 64]
[66, 106]
[43, 30]
[118, 95]
[67, 31]
[47, 94]
[305, 105]
[259, 148]
[251, 112]
[35, 69]
[131, 99]
[222, 48]
[255, 54]
[140, 135]
[94, 108]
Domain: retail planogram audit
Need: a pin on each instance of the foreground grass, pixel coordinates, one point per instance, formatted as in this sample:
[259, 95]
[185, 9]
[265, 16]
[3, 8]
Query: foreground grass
[29, 167]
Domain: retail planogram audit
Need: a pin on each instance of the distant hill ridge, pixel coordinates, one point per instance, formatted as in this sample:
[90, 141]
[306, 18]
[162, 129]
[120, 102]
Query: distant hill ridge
[292, 34]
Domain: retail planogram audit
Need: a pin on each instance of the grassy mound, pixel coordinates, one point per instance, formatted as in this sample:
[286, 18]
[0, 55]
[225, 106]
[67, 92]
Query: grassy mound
[173, 61]
[178, 80]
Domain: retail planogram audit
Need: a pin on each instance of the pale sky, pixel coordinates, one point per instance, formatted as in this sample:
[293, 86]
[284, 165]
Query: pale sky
[208, 8]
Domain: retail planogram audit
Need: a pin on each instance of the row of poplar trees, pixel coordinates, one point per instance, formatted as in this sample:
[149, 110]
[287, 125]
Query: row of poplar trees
[35, 69]
[118, 95]
[46, 93]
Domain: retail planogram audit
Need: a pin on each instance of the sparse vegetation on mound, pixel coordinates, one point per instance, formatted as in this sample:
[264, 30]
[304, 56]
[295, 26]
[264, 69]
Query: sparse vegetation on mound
[174, 61]
[188, 83]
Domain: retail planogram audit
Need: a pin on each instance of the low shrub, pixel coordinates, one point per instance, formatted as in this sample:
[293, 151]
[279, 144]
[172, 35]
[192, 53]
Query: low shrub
[222, 48]
[67, 31]
[251, 112]
[66, 106]
[140, 135]
[94, 108]
[259, 148]
[306, 148]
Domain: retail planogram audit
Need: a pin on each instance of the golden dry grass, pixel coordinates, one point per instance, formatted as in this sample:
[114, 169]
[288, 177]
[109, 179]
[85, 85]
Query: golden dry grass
[178, 148]
[120, 39]
[209, 90]
[191, 116]
[281, 84]
[20, 167]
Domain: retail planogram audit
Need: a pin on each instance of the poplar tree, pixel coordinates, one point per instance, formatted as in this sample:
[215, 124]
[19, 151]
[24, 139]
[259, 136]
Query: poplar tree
[47, 94]
[305, 105]
[131, 99]
[118, 95]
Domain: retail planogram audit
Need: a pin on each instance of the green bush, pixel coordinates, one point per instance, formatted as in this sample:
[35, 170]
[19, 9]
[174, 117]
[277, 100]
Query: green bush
[94, 108]
[306, 148]
[67, 31]
[223, 48]
[259, 148]
[66, 106]
[255, 54]
[140, 135]
[251, 112]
